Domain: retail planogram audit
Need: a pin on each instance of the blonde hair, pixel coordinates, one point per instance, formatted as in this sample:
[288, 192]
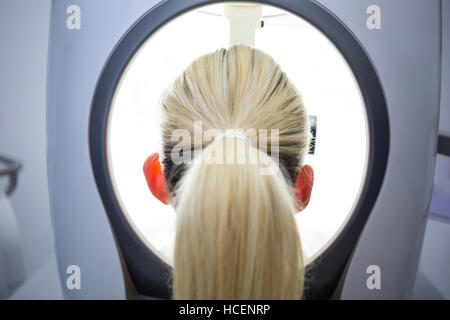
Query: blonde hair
[236, 234]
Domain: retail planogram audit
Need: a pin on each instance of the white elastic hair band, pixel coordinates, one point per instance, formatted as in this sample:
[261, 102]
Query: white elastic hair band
[233, 134]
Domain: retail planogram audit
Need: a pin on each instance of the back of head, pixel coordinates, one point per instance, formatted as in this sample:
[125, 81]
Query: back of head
[236, 233]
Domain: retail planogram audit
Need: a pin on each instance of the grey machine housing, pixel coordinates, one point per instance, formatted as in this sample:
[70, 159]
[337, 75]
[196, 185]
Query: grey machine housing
[397, 69]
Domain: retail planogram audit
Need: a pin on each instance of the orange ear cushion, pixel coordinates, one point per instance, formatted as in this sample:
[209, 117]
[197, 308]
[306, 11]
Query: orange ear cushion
[155, 178]
[303, 187]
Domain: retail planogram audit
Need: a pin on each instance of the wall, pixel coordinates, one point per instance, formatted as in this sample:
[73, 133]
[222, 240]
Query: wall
[24, 26]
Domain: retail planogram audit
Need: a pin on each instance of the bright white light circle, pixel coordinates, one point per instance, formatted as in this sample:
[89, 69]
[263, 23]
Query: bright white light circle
[310, 60]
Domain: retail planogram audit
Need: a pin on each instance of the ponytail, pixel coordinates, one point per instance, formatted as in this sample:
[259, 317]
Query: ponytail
[236, 234]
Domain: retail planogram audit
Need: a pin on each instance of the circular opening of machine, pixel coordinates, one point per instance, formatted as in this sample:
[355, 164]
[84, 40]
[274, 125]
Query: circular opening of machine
[331, 96]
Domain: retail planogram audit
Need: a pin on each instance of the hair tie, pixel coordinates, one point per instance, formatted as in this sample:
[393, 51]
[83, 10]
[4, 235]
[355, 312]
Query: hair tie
[233, 134]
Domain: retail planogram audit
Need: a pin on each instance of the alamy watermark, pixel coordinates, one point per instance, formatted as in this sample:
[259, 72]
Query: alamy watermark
[73, 21]
[73, 281]
[374, 280]
[373, 21]
[189, 148]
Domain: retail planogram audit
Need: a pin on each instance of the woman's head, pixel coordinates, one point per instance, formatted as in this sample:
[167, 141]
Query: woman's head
[236, 233]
